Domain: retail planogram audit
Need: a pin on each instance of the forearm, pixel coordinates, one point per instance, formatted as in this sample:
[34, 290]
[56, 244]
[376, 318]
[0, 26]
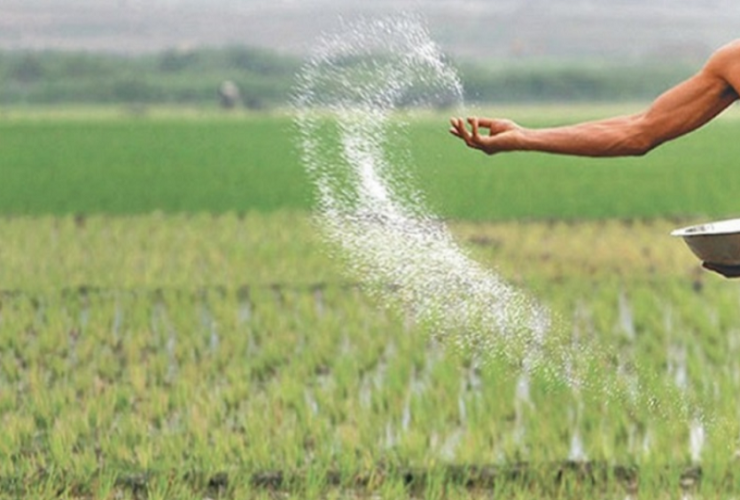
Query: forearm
[677, 112]
[622, 136]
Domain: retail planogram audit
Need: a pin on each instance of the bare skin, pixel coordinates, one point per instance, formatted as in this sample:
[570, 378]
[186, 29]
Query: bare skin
[680, 110]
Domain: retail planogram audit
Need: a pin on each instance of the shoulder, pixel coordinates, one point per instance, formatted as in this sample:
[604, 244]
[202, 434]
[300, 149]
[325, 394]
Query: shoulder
[724, 66]
[726, 56]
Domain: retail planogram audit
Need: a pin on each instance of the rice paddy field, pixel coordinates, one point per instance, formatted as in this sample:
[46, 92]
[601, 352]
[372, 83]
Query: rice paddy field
[172, 324]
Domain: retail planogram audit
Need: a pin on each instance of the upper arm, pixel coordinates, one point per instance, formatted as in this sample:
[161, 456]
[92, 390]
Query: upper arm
[694, 102]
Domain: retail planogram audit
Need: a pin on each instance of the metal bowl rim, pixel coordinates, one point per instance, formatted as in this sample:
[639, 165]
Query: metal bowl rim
[715, 228]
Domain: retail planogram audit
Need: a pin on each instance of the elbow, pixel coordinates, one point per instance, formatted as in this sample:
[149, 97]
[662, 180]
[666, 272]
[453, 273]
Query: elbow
[641, 139]
[632, 145]
[631, 136]
[642, 146]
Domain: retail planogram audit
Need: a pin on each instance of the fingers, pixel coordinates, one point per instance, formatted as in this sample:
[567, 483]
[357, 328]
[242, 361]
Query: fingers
[459, 130]
[456, 128]
[474, 125]
[490, 135]
[496, 125]
[473, 137]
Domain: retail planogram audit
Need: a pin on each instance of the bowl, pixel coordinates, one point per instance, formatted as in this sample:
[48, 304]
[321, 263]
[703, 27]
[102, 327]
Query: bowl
[714, 242]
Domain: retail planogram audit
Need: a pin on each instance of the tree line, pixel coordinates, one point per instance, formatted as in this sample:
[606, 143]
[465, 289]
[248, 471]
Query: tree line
[264, 79]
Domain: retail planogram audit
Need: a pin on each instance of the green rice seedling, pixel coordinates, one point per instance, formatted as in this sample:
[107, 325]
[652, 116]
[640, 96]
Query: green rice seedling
[177, 374]
[103, 485]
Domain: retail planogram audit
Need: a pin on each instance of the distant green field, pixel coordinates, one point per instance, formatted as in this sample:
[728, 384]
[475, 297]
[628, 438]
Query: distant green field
[130, 165]
[120, 164]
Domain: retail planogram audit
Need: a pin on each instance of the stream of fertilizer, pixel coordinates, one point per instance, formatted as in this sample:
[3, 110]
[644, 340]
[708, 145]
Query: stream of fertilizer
[348, 104]
[347, 100]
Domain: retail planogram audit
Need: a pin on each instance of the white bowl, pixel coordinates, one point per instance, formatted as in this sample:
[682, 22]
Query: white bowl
[714, 242]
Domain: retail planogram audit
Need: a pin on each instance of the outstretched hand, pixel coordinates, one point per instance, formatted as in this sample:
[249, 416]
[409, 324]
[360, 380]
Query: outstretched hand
[725, 270]
[498, 135]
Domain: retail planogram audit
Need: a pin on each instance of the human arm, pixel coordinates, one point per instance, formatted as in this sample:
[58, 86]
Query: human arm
[678, 111]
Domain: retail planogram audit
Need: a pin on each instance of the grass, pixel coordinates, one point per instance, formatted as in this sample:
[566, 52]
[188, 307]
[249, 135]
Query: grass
[172, 325]
[190, 162]
[134, 165]
[168, 377]
[158, 251]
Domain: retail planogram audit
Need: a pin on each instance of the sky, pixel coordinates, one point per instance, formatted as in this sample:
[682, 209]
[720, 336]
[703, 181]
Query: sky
[470, 28]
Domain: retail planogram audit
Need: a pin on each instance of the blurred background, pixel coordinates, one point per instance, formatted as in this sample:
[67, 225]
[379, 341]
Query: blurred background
[184, 51]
